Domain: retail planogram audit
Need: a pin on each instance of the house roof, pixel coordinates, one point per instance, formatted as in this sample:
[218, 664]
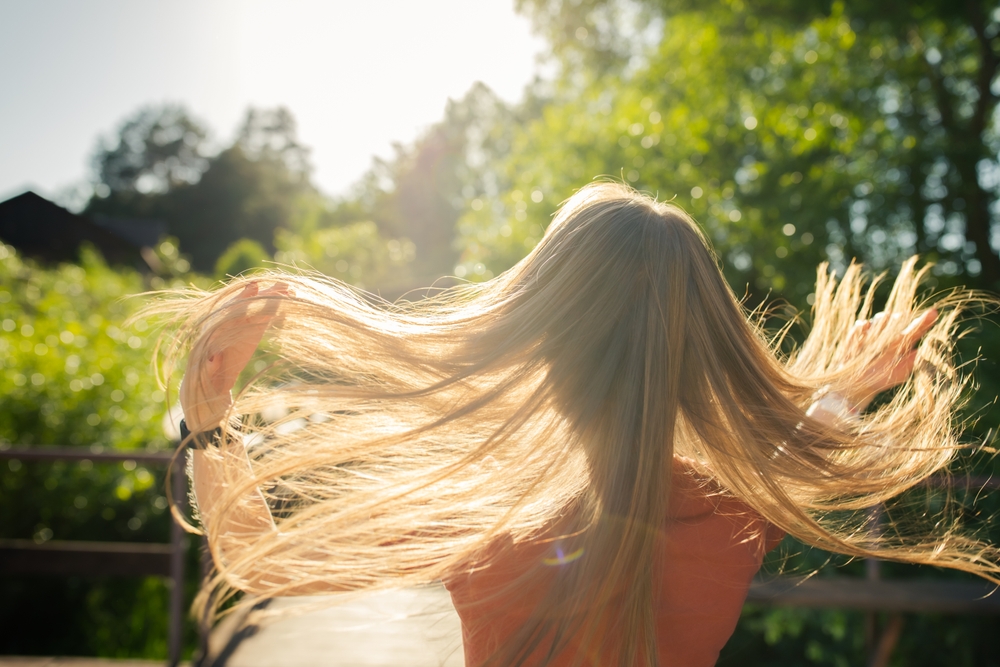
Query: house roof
[46, 231]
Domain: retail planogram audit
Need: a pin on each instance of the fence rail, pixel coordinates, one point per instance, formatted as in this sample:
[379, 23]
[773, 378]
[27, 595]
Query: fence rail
[88, 558]
[870, 594]
[877, 595]
[78, 454]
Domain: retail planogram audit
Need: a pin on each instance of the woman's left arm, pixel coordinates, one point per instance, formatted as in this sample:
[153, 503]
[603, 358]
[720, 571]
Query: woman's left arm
[890, 369]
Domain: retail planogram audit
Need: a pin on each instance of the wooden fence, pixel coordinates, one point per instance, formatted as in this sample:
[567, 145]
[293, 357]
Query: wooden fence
[65, 558]
[871, 594]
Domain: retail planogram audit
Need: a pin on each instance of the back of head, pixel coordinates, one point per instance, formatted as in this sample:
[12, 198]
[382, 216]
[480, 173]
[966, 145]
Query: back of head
[625, 308]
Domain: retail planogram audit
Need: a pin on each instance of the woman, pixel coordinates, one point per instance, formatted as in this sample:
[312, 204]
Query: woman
[593, 450]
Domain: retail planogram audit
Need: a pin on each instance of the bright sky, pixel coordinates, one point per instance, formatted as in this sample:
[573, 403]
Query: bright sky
[358, 75]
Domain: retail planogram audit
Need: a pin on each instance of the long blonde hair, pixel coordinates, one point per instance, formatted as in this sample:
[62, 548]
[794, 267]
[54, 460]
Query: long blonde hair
[417, 435]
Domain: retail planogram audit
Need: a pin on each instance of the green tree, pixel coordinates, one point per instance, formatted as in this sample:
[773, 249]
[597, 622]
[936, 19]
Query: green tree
[155, 149]
[880, 114]
[421, 192]
[248, 190]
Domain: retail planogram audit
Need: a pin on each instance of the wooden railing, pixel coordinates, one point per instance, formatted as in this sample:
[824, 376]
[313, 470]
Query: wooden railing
[947, 597]
[873, 594]
[107, 558]
[870, 594]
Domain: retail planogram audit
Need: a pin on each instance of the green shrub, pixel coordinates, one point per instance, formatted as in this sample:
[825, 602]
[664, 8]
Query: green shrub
[71, 374]
[243, 255]
[355, 253]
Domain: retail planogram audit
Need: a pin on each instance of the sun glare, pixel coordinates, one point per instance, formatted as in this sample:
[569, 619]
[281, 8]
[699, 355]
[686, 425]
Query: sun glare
[357, 76]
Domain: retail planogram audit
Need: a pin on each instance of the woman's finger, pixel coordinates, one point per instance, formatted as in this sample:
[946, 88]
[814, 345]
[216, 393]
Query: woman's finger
[918, 327]
[249, 290]
[246, 311]
[278, 289]
[262, 308]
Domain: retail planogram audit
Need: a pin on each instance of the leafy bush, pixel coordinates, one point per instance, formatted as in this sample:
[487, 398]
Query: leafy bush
[355, 253]
[71, 374]
[243, 255]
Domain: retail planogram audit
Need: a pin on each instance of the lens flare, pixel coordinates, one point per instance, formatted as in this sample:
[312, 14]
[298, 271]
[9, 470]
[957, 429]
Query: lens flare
[561, 558]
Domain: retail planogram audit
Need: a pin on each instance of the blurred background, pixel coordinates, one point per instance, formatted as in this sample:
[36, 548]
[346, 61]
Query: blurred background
[390, 144]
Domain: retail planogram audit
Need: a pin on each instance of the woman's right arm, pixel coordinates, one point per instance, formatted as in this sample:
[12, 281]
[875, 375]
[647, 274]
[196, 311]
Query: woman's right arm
[206, 399]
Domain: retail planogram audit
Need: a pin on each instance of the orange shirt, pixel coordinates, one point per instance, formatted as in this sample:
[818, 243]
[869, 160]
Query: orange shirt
[712, 547]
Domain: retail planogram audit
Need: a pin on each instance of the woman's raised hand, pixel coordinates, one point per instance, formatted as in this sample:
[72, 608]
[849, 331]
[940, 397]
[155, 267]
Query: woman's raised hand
[894, 364]
[223, 351]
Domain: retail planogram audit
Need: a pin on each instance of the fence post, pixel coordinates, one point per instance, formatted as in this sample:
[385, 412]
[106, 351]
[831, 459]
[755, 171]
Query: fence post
[178, 542]
[879, 642]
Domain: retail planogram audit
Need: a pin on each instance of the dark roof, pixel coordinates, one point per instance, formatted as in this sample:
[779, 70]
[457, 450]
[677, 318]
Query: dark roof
[48, 232]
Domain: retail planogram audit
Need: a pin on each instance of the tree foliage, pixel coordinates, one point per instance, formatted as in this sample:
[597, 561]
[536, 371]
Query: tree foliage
[156, 149]
[242, 256]
[871, 126]
[795, 132]
[259, 184]
[355, 253]
[421, 192]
